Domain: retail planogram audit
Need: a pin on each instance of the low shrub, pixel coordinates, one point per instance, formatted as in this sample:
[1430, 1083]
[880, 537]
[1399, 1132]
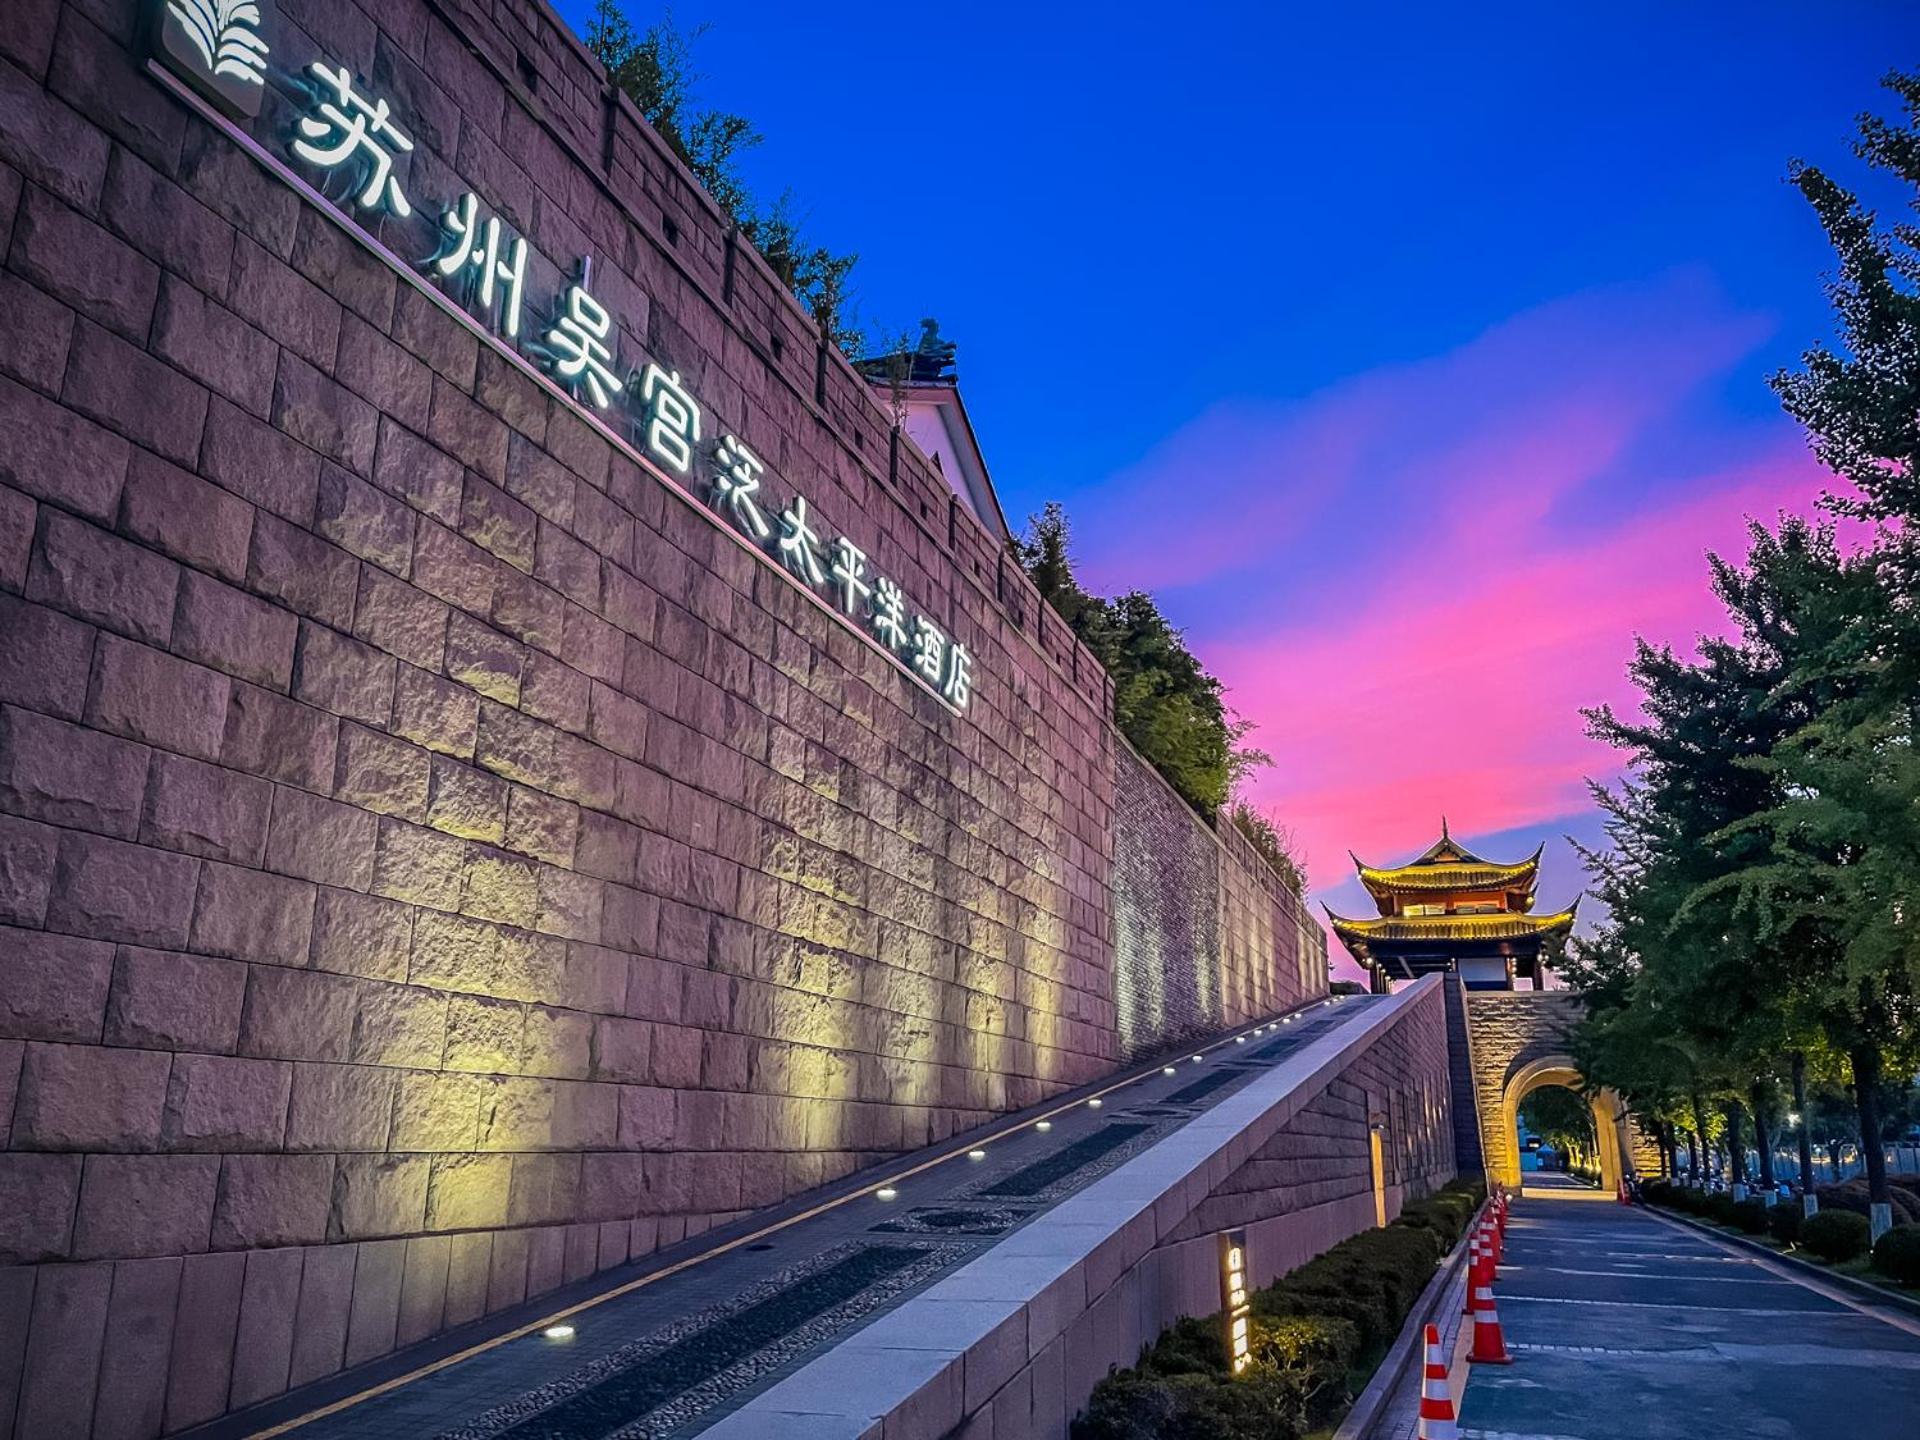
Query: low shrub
[1310, 1331]
[1836, 1235]
[1897, 1254]
[1657, 1192]
[1719, 1208]
[1852, 1195]
[1750, 1215]
[1783, 1221]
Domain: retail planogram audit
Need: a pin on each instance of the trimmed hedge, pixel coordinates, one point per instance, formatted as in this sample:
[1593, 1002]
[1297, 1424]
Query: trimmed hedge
[1836, 1235]
[1311, 1330]
[1897, 1254]
[1783, 1221]
[1750, 1215]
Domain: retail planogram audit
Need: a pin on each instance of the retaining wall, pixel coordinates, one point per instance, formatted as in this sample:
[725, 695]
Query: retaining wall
[439, 857]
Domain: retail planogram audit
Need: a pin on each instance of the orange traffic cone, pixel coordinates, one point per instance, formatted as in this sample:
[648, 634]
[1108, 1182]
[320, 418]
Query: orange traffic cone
[1437, 1420]
[1476, 1264]
[1489, 1343]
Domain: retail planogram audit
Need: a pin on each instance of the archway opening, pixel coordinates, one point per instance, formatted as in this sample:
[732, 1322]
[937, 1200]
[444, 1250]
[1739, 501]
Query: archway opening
[1557, 1134]
[1607, 1160]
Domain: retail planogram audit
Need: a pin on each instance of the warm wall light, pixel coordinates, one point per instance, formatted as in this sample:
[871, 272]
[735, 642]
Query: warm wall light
[558, 1332]
[1234, 1307]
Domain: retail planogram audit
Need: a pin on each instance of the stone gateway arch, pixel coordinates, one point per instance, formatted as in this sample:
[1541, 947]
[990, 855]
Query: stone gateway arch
[1518, 1041]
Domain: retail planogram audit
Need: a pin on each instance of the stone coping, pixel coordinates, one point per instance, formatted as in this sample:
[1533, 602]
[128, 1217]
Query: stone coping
[922, 1367]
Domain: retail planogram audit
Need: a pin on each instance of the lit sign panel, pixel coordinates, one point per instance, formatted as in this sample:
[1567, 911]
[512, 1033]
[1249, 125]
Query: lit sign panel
[1236, 1308]
[351, 142]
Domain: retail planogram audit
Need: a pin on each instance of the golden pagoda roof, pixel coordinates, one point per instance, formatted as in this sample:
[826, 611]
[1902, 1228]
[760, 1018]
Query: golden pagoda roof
[1447, 865]
[1359, 936]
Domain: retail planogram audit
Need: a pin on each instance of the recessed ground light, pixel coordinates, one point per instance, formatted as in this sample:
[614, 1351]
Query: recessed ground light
[1094, 1103]
[1043, 1125]
[1198, 1058]
[887, 1192]
[1239, 1039]
[976, 1154]
[1169, 1070]
[558, 1332]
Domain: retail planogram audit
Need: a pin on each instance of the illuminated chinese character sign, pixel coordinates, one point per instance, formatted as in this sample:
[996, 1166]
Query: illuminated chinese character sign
[354, 151]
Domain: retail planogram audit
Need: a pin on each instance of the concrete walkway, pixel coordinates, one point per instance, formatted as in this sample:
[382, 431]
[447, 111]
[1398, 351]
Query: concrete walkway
[1625, 1324]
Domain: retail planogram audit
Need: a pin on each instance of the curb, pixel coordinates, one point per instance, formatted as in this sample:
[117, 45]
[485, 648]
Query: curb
[1373, 1401]
[1865, 1290]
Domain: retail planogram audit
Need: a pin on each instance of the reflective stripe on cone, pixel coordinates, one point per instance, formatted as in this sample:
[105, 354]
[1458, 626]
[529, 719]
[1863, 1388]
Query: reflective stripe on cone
[1437, 1420]
[1489, 1342]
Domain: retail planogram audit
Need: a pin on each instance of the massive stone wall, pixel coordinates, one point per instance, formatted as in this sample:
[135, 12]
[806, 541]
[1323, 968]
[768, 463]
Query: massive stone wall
[1205, 935]
[437, 861]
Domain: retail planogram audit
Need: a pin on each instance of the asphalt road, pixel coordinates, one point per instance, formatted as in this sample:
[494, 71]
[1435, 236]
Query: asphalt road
[1623, 1324]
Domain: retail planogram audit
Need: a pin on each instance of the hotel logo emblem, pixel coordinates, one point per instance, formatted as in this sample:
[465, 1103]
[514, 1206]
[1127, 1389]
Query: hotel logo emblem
[216, 46]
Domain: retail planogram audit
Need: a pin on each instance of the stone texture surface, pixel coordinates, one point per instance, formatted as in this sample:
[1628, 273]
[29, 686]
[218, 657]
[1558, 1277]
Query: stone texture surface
[406, 797]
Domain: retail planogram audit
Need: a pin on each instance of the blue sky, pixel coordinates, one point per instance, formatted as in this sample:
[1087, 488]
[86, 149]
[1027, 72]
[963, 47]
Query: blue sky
[1411, 355]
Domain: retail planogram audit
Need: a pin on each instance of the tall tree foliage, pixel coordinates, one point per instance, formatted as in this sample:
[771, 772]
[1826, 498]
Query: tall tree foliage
[1764, 871]
[654, 69]
[1164, 701]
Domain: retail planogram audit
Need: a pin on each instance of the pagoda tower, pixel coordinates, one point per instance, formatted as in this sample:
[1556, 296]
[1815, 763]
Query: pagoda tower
[1448, 910]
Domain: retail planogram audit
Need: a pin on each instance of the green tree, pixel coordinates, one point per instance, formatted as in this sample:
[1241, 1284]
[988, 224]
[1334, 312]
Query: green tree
[1164, 701]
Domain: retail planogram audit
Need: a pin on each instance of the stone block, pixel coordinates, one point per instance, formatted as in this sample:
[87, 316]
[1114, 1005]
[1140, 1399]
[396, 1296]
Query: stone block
[44, 657]
[138, 1205]
[326, 416]
[52, 987]
[622, 1050]
[484, 1036]
[452, 567]
[201, 1365]
[528, 610]
[320, 1323]
[400, 1025]
[365, 521]
[133, 1360]
[342, 675]
[130, 392]
[281, 739]
[501, 887]
[321, 250]
[507, 1270]
[25, 870]
[17, 513]
[467, 1270]
[70, 257]
[38, 1195]
[204, 810]
[401, 620]
[470, 434]
[675, 1057]
[267, 1200]
[82, 1097]
[378, 1195]
[380, 773]
[436, 1112]
[165, 1001]
[64, 1339]
[340, 1108]
[362, 935]
[302, 571]
[322, 840]
[467, 802]
[222, 1103]
[555, 692]
[423, 1288]
[570, 905]
[45, 140]
[435, 713]
[214, 346]
[484, 660]
[252, 915]
[178, 512]
[605, 847]
[148, 695]
[49, 452]
[93, 71]
[116, 891]
[429, 480]
[568, 566]
[546, 1260]
[66, 775]
[284, 304]
[375, 368]
[232, 631]
[168, 224]
[98, 577]
[557, 1043]
[294, 1014]
[419, 866]
[263, 1346]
